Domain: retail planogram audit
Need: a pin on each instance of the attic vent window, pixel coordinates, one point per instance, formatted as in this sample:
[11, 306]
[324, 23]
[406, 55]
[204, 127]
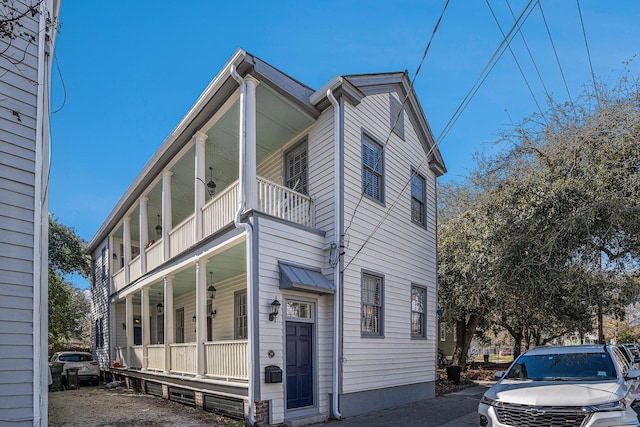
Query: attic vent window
[397, 116]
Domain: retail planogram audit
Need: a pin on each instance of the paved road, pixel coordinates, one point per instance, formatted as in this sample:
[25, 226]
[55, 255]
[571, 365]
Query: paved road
[457, 409]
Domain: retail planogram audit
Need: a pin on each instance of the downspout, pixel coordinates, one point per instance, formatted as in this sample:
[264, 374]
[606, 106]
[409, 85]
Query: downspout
[247, 227]
[337, 238]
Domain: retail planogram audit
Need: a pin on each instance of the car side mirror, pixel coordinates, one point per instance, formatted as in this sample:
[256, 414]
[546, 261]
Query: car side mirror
[633, 374]
[500, 374]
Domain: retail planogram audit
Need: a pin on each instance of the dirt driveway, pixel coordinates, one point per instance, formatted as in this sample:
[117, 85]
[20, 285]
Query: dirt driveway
[99, 406]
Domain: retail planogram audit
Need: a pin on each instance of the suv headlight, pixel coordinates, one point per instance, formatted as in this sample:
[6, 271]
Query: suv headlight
[488, 401]
[618, 405]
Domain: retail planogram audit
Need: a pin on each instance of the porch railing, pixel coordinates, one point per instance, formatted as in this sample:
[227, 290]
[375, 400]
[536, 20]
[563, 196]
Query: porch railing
[220, 210]
[136, 357]
[282, 202]
[182, 236]
[155, 352]
[154, 255]
[135, 268]
[118, 280]
[183, 358]
[227, 359]
[121, 356]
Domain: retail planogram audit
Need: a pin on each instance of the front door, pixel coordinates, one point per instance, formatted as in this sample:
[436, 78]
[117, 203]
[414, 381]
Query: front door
[299, 364]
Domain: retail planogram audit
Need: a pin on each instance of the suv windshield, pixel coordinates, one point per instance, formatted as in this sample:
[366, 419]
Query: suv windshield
[563, 367]
[76, 358]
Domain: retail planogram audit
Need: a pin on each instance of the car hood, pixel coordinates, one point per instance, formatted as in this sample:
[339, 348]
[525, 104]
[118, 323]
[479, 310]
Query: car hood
[546, 393]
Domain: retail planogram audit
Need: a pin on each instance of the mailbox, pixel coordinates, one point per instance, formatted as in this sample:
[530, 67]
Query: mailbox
[272, 374]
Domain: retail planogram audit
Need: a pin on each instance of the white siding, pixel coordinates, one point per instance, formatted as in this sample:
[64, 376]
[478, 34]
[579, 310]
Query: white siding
[23, 348]
[99, 304]
[401, 251]
[278, 241]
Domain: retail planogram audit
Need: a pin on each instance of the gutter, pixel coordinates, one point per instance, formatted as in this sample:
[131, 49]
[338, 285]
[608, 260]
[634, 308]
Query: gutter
[249, 246]
[337, 231]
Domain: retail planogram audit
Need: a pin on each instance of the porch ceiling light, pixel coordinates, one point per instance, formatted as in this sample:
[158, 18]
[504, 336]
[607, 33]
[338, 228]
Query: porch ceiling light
[275, 309]
[211, 290]
[159, 227]
[160, 308]
[211, 185]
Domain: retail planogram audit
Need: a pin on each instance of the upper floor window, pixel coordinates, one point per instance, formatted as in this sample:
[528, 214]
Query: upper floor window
[296, 168]
[418, 199]
[372, 286]
[418, 318]
[372, 169]
[103, 260]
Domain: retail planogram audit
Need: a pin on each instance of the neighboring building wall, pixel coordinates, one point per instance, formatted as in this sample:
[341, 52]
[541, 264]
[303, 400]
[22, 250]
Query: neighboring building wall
[24, 166]
[403, 252]
[100, 318]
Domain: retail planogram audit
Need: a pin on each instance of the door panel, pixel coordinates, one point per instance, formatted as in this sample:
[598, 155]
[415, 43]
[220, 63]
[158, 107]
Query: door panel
[299, 364]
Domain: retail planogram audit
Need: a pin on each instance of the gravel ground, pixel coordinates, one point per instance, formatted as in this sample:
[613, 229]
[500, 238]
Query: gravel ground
[99, 406]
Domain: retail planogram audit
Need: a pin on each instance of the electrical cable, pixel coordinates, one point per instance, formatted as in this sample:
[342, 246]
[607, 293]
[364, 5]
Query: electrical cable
[64, 88]
[400, 110]
[555, 52]
[485, 72]
[535, 66]
[516, 60]
[584, 34]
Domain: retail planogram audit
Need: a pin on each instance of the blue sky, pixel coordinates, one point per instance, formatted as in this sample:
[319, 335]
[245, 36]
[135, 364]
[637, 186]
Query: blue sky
[131, 71]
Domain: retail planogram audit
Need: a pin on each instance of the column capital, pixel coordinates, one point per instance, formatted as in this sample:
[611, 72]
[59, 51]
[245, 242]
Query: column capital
[144, 199]
[167, 173]
[200, 136]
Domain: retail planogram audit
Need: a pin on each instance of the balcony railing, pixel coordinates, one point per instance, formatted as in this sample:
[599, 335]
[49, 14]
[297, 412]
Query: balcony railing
[155, 352]
[119, 280]
[136, 357]
[154, 255]
[121, 356]
[227, 359]
[283, 202]
[135, 268]
[182, 236]
[220, 210]
[183, 358]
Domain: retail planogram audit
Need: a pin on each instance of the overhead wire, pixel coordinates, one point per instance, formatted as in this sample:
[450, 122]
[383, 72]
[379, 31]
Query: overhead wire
[526, 12]
[515, 58]
[584, 34]
[535, 66]
[439, 140]
[396, 119]
[555, 52]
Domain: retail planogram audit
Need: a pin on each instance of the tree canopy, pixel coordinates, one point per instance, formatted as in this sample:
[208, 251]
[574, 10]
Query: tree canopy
[69, 307]
[555, 216]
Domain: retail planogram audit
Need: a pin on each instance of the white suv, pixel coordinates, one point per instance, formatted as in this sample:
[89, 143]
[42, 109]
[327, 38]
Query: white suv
[571, 386]
[88, 369]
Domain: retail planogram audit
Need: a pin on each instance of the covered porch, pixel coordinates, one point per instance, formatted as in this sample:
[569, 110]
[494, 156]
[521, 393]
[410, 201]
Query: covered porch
[191, 323]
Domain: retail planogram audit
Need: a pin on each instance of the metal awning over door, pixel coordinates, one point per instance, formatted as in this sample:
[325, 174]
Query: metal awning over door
[304, 278]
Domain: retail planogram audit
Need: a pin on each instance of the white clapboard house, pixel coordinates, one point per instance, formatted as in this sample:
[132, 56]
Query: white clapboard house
[276, 257]
[27, 40]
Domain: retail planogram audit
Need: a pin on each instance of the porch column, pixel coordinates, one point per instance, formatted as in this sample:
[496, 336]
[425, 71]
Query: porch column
[129, 325]
[201, 316]
[112, 263]
[167, 221]
[251, 185]
[146, 336]
[168, 321]
[111, 336]
[126, 238]
[200, 186]
[144, 233]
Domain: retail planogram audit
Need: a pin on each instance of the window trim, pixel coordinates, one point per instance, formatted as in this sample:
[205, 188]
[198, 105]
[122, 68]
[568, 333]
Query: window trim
[423, 326]
[304, 142]
[367, 136]
[423, 223]
[235, 314]
[380, 333]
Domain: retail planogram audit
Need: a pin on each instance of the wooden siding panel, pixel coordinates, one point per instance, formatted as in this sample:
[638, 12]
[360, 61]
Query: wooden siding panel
[403, 252]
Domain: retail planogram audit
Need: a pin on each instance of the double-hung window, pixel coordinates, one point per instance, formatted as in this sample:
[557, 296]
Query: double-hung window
[418, 199]
[241, 325]
[372, 309]
[418, 305]
[296, 168]
[372, 169]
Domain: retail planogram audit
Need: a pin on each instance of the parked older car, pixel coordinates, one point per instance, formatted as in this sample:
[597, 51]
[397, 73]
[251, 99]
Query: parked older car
[587, 386]
[88, 369]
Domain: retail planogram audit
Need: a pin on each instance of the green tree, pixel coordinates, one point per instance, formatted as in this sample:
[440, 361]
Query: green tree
[69, 307]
